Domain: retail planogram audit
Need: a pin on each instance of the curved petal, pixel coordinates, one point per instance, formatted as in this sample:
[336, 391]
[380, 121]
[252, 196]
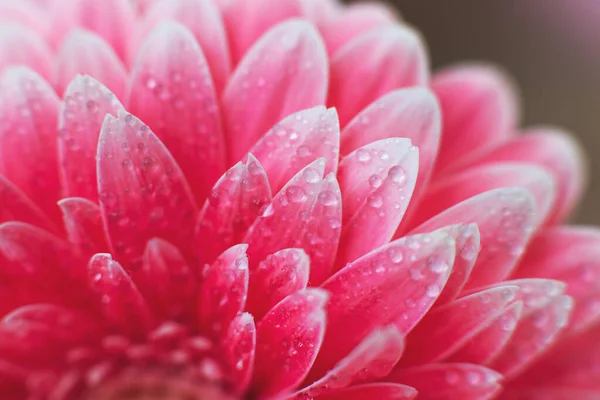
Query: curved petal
[372, 391]
[20, 46]
[240, 348]
[83, 223]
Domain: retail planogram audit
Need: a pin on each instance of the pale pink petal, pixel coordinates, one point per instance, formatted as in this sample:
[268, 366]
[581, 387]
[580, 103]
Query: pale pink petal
[554, 150]
[479, 109]
[481, 348]
[372, 391]
[121, 302]
[371, 360]
[237, 199]
[504, 218]
[247, 21]
[240, 347]
[354, 20]
[298, 140]
[83, 223]
[171, 90]
[111, 19]
[377, 182]
[84, 52]
[534, 335]
[284, 72]
[143, 194]
[450, 381]
[204, 21]
[306, 214]
[82, 112]
[396, 283]
[446, 328]
[454, 189]
[373, 64]
[24, 13]
[21, 46]
[289, 337]
[223, 291]
[16, 206]
[278, 276]
[468, 246]
[167, 281]
[28, 136]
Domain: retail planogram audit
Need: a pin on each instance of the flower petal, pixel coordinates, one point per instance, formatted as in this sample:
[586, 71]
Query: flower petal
[82, 112]
[284, 72]
[143, 193]
[237, 199]
[450, 381]
[278, 276]
[26, 14]
[448, 327]
[371, 360]
[122, 304]
[372, 391]
[84, 52]
[172, 91]
[21, 46]
[396, 283]
[296, 141]
[223, 291]
[83, 223]
[377, 182]
[289, 336]
[373, 64]
[204, 21]
[479, 109]
[240, 349]
[504, 218]
[28, 135]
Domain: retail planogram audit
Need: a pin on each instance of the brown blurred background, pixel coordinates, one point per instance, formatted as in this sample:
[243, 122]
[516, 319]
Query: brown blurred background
[550, 47]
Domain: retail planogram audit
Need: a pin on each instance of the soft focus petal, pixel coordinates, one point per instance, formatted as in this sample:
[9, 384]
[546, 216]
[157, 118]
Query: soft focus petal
[20, 46]
[83, 223]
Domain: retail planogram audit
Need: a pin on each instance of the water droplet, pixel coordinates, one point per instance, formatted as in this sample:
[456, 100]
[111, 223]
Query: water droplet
[384, 155]
[303, 151]
[363, 155]
[130, 120]
[375, 200]
[127, 164]
[151, 83]
[395, 255]
[327, 198]
[295, 194]
[397, 174]
[375, 181]
[92, 106]
[311, 175]
[434, 290]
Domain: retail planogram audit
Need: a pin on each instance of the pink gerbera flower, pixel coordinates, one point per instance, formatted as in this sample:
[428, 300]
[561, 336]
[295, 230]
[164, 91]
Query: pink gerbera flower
[260, 199]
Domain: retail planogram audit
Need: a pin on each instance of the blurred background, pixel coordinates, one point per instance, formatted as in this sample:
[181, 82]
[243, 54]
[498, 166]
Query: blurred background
[550, 47]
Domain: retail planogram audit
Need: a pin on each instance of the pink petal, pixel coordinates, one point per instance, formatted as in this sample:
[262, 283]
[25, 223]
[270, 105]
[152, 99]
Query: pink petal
[354, 20]
[446, 328]
[395, 283]
[371, 360]
[84, 52]
[548, 392]
[83, 110]
[298, 140]
[29, 108]
[411, 113]
[504, 218]
[240, 348]
[111, 19]
[16, 206]
[372, 391]
[172, 91]
[21, 46]
[284, 72]
[571, 255]
[305, 214]
[122, 304]
[450, 381]
[223, 292]
[289, 336]
[246, 22]
[468, 246]
[25, 14]
[373, 64]
[83, 223]
[479, 109]
[278, 276]
[534, 334]
[143, 193]
[237, 199]
[204, 21]
[452, 190]
[485, 345]
[554, 150]
[167, 281]
[377, 182]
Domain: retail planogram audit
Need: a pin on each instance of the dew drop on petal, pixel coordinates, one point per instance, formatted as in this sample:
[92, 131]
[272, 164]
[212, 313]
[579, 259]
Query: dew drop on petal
[295, 194]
